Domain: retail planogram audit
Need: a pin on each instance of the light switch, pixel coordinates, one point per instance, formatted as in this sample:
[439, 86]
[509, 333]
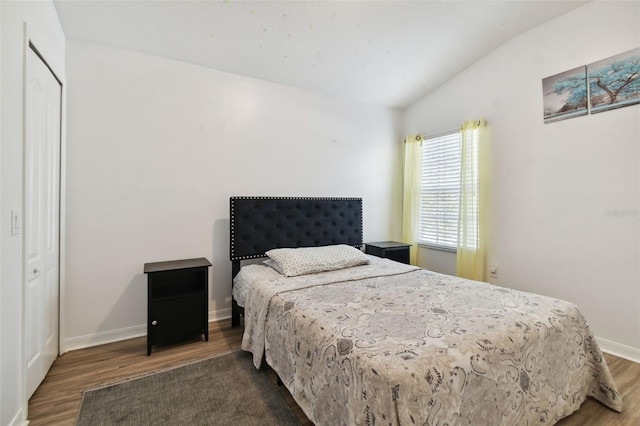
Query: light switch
[16, 226]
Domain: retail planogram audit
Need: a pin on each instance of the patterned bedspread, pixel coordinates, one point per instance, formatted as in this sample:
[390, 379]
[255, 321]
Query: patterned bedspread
[390, 344]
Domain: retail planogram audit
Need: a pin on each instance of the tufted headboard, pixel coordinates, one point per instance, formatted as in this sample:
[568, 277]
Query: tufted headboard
[259, 224]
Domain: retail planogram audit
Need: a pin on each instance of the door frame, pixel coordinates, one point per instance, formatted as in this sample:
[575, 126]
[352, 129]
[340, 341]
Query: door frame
[30, 41]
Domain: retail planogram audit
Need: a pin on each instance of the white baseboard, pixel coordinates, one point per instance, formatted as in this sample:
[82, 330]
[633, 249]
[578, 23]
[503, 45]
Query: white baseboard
[18, 419]
[219, 314]
[622, 351]
[102, 338]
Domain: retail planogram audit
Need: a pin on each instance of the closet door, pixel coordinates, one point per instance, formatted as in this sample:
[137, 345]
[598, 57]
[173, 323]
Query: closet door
[41, 219]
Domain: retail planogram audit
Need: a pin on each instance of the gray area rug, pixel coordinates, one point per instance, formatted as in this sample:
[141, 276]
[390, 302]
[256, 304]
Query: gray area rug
[225, 390]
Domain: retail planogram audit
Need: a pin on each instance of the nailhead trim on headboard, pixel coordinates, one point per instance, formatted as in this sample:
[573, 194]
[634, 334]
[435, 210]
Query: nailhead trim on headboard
[259, 224]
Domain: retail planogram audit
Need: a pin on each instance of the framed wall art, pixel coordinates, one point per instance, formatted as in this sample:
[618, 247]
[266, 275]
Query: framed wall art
[565, 95]
[615, 82]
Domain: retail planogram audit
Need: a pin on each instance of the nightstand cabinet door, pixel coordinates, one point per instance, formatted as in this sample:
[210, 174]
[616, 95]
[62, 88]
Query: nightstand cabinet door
[176, 318]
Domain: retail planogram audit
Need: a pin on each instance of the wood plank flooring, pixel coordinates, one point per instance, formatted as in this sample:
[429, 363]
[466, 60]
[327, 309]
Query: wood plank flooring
[58, 398]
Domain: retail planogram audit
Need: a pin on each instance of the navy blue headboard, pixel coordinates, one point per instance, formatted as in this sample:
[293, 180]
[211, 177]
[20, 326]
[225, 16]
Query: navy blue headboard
[259, 224]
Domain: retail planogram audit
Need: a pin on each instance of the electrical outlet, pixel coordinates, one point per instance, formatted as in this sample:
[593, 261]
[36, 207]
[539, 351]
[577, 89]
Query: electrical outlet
[493, 271]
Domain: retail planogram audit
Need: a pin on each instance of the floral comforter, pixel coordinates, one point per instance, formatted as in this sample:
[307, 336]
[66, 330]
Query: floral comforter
[386, 343]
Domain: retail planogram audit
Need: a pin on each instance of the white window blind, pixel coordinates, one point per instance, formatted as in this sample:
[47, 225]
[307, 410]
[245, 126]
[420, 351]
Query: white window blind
[440, 191]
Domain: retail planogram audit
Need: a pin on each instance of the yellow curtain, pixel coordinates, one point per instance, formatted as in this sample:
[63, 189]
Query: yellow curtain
[411, 193]
[471, 253]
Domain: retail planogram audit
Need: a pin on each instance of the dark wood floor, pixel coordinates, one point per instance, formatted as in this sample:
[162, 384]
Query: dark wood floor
[57, 400]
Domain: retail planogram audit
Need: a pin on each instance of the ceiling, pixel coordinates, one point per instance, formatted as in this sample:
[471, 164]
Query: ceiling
[383, 52]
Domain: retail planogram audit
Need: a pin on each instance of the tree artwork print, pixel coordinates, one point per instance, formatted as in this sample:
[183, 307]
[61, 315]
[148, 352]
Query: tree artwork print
[565, 95]
[615, 82]
[607, 84]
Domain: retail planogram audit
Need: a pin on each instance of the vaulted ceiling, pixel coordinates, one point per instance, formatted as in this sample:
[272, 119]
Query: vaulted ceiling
[383, 52]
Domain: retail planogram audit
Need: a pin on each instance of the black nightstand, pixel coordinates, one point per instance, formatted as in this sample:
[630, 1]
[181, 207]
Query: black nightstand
[177, 304]
[389, 249]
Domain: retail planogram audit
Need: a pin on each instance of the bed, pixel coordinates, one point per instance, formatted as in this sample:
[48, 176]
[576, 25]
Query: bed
[379, 342]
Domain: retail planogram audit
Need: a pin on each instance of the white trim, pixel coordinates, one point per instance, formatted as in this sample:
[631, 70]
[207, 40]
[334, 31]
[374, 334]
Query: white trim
[24, 411]
[219, 314]
[23, 367]
[18, 420]
[618, 349]
[62, 258]
[102, 338]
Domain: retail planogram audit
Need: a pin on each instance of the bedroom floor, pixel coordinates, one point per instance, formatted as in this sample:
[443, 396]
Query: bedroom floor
[57, 400]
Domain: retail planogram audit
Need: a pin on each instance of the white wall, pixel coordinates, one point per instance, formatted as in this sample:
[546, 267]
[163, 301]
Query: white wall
[552, 184]
[44, 28]
[156, 147]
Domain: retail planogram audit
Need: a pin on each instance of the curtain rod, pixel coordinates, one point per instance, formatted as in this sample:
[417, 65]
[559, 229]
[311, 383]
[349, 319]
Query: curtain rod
[446, 132]
[435, 135]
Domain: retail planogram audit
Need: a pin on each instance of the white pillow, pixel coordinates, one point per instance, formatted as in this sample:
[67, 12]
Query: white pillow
[309, 260]
[273, 265]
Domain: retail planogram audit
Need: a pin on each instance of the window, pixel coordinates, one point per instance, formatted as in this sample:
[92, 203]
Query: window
[440, 191]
